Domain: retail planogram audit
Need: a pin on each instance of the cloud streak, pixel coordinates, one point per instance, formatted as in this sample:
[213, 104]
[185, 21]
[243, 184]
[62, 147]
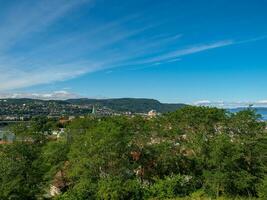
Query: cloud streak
[36, 49]
[176, 54]
[27, 17]
[55, 95]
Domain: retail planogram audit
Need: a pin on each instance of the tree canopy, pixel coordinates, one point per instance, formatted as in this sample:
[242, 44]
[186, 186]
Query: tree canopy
[194, 153]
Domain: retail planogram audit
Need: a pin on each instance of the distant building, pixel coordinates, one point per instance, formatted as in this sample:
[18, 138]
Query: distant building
[128, 113]
[11, 118]
[58, 133]
[152, 113]
[63, 121]
[71, 118]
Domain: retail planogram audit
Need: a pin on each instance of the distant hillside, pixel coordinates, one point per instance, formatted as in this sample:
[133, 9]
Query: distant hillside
[32, 107]
[128, 104]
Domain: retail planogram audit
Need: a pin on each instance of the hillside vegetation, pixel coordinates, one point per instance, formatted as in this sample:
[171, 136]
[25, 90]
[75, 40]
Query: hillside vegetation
[194, 153]
[129, 104]
[34, 107]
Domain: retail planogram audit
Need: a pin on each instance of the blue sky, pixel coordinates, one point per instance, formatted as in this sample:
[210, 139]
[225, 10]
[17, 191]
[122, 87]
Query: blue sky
[173, 51]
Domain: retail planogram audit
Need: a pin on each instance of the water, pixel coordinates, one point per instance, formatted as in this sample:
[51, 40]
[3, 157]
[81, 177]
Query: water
[5, 134]
[264, 117]
[261, 111]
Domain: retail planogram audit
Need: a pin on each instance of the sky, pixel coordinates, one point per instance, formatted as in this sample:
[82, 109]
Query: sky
[199, 52]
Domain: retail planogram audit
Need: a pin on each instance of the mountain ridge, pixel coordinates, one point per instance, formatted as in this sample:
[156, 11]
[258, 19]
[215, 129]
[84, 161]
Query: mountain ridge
[135, 105]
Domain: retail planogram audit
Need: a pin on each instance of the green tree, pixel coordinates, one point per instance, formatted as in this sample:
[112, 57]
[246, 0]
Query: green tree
[20, 175]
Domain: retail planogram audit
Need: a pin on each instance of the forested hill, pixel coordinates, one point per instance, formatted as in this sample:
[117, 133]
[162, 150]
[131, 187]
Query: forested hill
[81, 106]
[194, 153]
[129, 104]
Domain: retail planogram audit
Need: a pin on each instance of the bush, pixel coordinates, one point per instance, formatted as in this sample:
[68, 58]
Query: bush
[262, 189]
[171, 187]
[82, 190]
[116, 189]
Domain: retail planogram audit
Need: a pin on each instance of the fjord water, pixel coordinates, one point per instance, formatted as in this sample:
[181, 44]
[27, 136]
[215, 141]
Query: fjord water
[261, 111]
[4, 133]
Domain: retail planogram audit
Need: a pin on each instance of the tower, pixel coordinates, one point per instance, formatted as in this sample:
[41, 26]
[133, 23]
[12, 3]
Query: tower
[93, 110]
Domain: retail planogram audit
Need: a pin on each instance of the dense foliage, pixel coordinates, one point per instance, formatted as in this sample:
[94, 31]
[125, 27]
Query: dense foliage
[193, 153]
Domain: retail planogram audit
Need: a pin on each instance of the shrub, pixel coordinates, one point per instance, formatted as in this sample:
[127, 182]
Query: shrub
[116, 189]
[171, 186]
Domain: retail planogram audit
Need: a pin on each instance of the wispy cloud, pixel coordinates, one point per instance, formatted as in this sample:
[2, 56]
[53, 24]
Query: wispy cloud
[13, 78]
[54, 95]
[36, 49]
[188, 50]
[26, 17]
[66, 55]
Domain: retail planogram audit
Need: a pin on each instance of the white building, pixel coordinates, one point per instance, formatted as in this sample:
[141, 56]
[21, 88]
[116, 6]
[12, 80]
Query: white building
[152, 113]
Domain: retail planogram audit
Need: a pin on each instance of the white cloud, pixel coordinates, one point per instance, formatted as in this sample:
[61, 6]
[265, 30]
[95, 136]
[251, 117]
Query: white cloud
[174, 55]
[29, 57]
[262, 102]
[237, 104]
[55, 95]
[20, 78]
[27, 17]
[201, 102]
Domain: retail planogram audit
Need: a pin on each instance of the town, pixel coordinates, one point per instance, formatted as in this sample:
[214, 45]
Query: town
[58, 113]
[25, 109]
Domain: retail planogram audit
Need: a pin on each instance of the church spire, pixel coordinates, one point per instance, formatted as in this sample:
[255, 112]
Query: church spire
[93, 110]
